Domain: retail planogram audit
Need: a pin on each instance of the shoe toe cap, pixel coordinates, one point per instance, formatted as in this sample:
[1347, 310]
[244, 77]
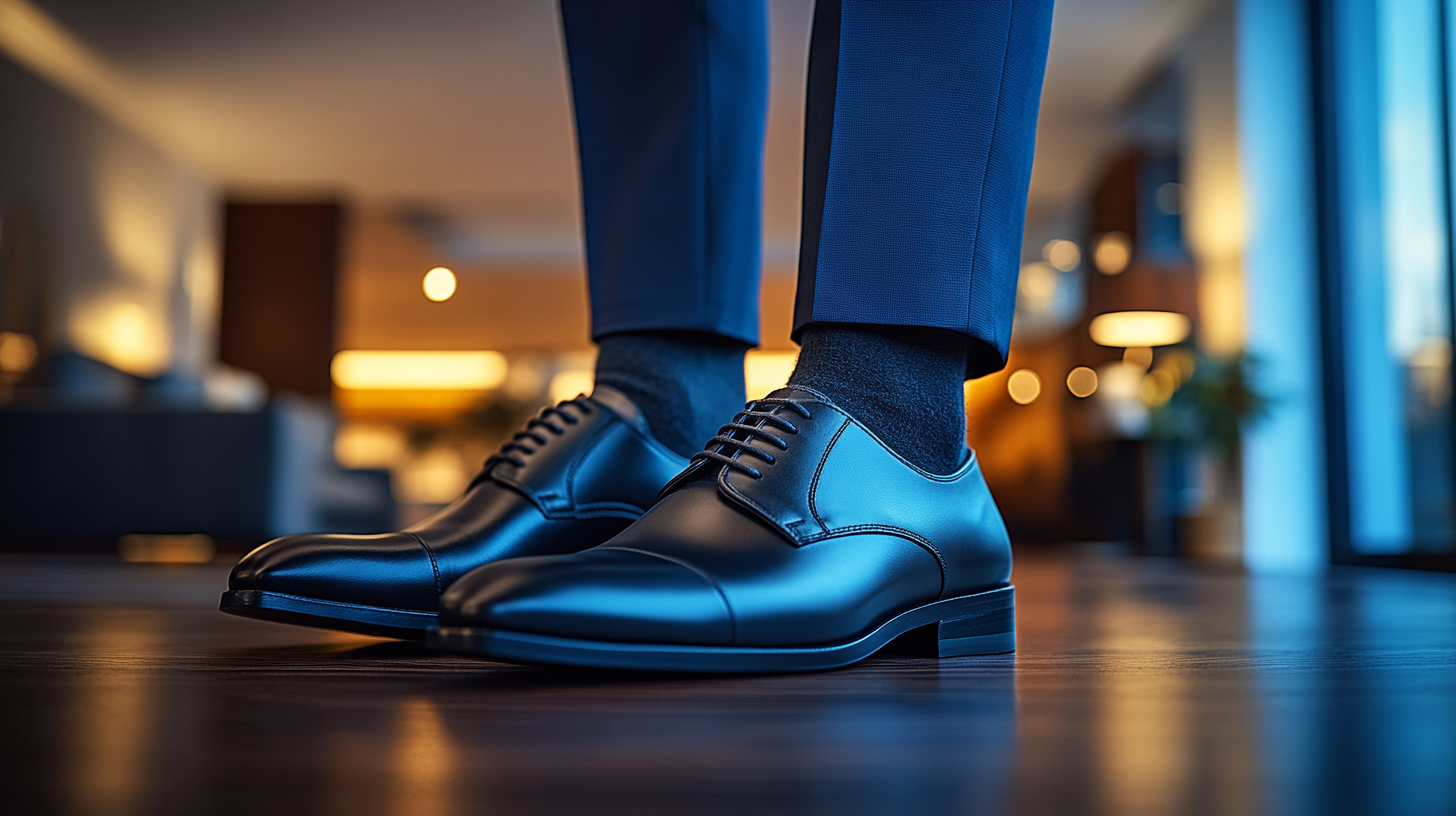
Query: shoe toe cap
[392, 570]
[599, 594]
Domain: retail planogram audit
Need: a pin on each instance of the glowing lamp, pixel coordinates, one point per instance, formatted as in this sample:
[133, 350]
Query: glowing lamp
[419, 370]
[439, 284]
[1139, 329]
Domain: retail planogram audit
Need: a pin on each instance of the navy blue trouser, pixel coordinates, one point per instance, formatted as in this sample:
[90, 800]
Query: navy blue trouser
[919, 128]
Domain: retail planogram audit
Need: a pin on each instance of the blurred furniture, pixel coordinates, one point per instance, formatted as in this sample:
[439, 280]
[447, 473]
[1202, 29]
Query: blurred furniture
[83, 477]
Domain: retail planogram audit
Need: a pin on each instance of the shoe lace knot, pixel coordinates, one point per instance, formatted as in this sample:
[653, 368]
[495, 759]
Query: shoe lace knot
[734, 440]
[553, 418]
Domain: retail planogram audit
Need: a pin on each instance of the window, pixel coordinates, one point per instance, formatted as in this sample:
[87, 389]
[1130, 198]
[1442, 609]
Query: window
[1386, 192]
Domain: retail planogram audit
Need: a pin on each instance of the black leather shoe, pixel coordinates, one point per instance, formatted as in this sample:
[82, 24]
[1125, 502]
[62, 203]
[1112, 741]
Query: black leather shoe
[797, 541]
[576, 476]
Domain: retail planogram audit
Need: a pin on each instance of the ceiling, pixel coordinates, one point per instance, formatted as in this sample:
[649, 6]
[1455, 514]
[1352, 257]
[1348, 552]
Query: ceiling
[464, 104]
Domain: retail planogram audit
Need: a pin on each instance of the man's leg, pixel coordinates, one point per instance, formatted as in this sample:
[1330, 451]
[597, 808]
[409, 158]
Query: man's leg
[671, 99]
[842, 511]
[918, 144]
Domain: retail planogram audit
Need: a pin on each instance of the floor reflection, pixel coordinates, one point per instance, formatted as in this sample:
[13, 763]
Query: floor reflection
[423, 763]
[113, 717]
[1140, 688]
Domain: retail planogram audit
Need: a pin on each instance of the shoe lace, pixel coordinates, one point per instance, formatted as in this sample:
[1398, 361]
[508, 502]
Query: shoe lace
[550, 419]
[733, 440]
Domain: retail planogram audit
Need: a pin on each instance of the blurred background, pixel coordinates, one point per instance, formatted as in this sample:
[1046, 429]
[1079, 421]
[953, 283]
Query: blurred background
[271, 267]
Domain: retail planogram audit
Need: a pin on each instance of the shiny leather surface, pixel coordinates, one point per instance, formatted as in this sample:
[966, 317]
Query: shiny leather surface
[837, 535]
[583, 486]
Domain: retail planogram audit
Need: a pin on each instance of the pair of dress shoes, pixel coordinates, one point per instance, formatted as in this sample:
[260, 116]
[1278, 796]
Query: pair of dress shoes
[796, 541]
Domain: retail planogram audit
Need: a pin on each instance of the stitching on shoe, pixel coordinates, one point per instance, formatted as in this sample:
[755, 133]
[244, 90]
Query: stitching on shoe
[433, 566]
[596, 437]
[921, 541]
[767, 515]
[814, 483]
[722, 596]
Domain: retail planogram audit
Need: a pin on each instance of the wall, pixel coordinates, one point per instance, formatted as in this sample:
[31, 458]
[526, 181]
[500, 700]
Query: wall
[108, 247]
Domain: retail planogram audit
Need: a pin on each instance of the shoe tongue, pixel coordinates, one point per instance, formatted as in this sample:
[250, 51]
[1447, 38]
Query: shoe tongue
[621, 405]
[800, 393]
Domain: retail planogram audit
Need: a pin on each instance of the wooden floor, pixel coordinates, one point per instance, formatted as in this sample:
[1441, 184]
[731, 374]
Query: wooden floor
[1141, 687]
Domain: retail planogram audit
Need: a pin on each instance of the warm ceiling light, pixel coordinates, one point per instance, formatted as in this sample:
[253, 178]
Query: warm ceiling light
[1113, 253]
[1128, 329]
[1023, 386]
[419, 370]
[1082, 382]
[1063, 254]
[439, 284]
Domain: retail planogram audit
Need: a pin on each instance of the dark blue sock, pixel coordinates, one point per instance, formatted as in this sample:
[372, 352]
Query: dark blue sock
[687, 384]
[905, 383]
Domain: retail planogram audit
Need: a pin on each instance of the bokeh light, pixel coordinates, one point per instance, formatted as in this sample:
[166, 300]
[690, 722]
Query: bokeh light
[1024, 386]
[1082, 382]
[1036, 288]
[362, 445]
[439, 284]
[1157, 387]
[1140, 356]
[1063, 254]
[17, 353]
[1113, 253]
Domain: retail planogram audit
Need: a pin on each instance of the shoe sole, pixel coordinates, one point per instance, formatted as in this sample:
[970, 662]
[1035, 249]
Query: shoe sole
[279, 607]
[979, 624]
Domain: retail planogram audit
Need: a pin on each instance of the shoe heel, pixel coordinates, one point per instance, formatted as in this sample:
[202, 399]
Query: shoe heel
[979, 625]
